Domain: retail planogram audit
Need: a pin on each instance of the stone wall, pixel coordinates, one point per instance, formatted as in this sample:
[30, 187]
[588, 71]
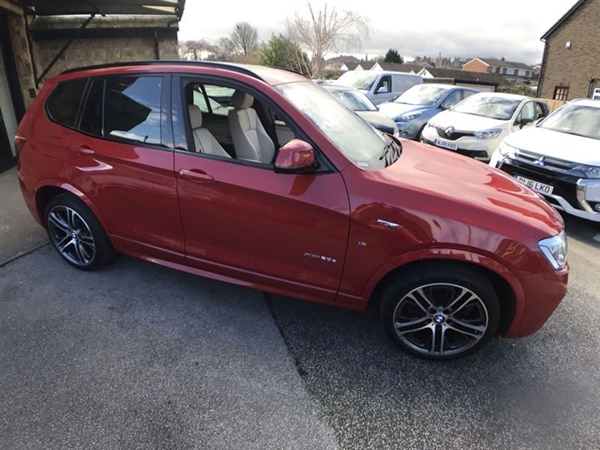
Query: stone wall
[573, 67]
[18, 37]
[92, 51]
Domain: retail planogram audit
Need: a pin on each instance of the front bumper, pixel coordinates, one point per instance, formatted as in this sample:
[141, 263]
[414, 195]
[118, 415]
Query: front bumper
[576, 196]
[542, 294]
[480, 149]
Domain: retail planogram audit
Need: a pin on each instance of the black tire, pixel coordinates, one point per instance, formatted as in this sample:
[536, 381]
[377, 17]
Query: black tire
[440, 312]
[76, 234]
[419, 133]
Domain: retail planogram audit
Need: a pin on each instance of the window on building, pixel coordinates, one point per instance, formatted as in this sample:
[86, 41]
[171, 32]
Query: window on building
[527, 73]
[504, 70]
[561, 93]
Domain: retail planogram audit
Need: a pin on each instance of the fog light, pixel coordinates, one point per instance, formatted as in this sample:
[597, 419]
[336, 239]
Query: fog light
[597, 207]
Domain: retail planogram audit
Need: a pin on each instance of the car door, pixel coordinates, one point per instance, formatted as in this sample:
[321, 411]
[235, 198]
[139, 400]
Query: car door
[244, 221]
[118, 158]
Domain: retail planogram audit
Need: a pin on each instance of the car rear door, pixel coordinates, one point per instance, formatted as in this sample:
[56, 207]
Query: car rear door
[120, 161]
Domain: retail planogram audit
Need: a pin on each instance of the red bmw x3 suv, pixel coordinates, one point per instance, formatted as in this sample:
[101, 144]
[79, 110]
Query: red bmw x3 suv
[259, 177]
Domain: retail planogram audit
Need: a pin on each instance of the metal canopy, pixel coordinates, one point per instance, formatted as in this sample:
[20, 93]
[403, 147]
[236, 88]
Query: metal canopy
[103, 7]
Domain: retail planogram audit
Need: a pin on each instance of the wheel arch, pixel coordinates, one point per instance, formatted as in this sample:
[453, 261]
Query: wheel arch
[46, 191]
[507, 291]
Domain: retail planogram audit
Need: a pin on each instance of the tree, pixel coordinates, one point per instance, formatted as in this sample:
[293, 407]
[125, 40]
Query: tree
[244, 38]
[392, 56]
[326, 31]
[283, 53]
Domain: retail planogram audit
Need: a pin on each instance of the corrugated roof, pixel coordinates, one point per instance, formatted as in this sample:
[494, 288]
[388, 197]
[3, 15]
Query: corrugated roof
[69, 7]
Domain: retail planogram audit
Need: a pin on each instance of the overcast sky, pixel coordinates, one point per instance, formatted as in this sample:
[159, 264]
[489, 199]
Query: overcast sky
[464, 28]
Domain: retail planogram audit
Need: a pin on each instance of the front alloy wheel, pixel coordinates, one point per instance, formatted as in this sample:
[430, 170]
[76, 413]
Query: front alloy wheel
[441, 314]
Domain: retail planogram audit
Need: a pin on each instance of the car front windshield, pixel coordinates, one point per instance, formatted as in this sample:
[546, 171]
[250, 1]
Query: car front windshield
[355, 138]
[358, 80]
[422, 95]
[581, 120]
[354, 100]
[500, 108]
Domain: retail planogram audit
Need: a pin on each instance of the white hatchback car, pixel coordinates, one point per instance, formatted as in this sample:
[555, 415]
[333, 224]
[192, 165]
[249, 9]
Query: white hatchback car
[476, 126]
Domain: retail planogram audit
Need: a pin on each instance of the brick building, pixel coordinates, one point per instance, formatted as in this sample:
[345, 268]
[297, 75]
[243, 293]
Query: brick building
[571, 64]
[41, 38]
[513, 71]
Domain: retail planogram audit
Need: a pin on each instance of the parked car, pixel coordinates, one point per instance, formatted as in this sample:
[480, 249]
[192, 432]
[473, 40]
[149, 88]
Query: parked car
[476, 126]
[559, 158]
[290, 193]
[416, 106]
[358, 102]
[379, 86]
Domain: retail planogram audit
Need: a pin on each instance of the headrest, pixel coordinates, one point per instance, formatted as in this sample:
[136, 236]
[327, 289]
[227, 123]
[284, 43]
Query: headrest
[240, 100]
[195, 116]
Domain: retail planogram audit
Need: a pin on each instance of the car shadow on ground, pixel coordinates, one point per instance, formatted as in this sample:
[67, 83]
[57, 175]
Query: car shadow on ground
[582, 230]
[512, 393]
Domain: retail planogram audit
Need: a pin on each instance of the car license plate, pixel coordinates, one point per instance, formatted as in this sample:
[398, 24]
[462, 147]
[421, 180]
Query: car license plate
[535, 185]
[445, 144]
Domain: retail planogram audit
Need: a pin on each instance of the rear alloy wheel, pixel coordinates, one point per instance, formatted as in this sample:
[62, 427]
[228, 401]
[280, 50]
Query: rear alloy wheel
[76, 234]
[441, 314]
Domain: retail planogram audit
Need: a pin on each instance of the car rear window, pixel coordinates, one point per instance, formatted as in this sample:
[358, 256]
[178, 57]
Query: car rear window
[63, 104]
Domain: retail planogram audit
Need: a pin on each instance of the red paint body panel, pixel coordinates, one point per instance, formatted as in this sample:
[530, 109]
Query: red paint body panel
[312, 236]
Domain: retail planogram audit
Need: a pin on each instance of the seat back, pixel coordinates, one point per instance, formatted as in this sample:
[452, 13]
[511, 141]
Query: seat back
[204, 141]
[249, 137]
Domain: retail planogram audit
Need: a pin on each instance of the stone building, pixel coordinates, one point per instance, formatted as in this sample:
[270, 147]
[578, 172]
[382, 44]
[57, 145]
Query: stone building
[41, 38]
[571, 64]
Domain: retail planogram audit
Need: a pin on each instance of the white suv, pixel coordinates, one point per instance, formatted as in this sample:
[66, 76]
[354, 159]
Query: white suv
[476, 126]
[559, 158]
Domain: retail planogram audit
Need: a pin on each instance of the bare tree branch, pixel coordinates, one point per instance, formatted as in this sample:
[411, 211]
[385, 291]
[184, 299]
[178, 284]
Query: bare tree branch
[245, 38]
[327, 30]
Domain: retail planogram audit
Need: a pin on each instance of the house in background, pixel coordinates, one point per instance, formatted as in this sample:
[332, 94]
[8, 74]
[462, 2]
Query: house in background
[571, 64]
[485, 82]
[396, 67]
[515, 72]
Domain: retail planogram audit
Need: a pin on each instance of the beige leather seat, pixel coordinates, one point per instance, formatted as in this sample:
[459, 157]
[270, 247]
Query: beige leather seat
[250, 139]
[204, 141]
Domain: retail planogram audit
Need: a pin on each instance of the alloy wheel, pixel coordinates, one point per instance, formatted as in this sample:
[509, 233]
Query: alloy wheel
[440, 319]
[71, 235]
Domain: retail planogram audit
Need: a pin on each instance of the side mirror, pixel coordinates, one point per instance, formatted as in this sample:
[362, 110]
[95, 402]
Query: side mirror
[297, 156]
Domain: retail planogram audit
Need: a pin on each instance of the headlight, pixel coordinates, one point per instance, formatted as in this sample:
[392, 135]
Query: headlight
[508, 151]
[408, 117]
[589, 171]
[555, 250]
[488, 134]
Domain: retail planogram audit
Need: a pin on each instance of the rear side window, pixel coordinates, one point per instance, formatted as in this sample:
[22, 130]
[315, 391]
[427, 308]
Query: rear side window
[124, 108]
[132, 108]
[63, 104]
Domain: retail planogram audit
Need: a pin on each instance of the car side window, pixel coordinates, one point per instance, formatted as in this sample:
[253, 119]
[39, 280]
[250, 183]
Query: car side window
[466, 93]
[384, 85]
[232, 124]
[91, 118]
[540, 111]
[63, 104]
[453, 98]
[132, 108]
[528, 112]
[124, 108]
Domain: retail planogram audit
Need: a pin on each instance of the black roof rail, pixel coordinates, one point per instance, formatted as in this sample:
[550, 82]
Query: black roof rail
[223, 65]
